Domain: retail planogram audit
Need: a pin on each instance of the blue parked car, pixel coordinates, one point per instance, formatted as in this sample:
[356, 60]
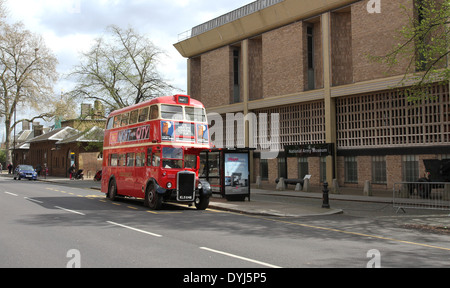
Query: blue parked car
[25, 172]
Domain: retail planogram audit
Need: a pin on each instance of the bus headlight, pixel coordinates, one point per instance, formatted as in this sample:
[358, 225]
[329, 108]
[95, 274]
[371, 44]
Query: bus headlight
[169, 185]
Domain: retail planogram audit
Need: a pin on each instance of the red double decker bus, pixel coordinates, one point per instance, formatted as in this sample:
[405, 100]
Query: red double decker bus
[151, 152]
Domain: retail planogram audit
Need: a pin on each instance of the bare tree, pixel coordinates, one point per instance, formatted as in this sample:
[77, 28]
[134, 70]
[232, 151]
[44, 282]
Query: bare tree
[27, 75]
[3, 10]
[120, 70]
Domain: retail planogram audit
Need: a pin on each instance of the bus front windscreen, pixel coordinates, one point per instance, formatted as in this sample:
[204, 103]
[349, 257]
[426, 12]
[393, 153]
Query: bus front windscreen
[172, 158]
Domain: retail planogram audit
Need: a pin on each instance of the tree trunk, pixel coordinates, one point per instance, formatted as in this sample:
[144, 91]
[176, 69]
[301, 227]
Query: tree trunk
[8, 140]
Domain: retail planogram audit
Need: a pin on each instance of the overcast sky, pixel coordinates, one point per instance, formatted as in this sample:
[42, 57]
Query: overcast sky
[69, 26]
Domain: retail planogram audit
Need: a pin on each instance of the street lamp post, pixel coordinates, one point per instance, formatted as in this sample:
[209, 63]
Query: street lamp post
[326, 199]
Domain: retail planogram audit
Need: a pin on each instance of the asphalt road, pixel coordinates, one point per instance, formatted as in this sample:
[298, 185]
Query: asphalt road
[46, 225]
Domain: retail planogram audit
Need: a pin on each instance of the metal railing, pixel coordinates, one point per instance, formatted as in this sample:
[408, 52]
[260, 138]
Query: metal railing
[227, 18]
[422, 195]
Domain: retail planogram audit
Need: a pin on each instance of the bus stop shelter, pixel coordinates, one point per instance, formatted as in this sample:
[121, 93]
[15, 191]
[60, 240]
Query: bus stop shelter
[228, 172]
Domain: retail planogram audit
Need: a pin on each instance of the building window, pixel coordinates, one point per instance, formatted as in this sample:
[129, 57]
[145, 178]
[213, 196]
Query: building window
[236, 76]
[310, 51]
[264, 169]
[410, 168]
[388, 119]
[351, 169]
[303, 167]
[379, 170]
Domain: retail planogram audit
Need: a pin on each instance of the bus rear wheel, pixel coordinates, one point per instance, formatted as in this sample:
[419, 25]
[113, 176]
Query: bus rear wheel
[152, 199]
[112, 190]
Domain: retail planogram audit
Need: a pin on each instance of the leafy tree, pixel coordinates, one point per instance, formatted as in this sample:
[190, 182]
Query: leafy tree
[425, 41]
[120, 70]
[3, 158]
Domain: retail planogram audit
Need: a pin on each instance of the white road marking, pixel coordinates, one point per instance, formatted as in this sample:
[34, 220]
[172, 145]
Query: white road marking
[241, 258]
[12, 194]
[33, 200]
[134, 229]
[71, 211]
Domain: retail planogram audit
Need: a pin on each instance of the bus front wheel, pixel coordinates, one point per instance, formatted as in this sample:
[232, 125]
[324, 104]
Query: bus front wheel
[152, 199]
[202, 203]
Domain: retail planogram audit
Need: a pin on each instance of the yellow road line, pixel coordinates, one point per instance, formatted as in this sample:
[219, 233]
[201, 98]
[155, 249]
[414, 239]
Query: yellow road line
[357, 234]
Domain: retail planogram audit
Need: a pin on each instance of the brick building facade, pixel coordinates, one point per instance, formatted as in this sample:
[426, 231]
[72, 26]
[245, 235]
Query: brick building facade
[58, 149]
[309, 62]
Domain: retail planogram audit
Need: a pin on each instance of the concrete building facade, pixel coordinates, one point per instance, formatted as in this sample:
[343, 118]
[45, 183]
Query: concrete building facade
[308, 61]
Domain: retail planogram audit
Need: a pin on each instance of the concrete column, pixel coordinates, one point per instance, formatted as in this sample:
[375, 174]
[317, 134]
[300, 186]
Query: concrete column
[330, 103]
[246, 96]
[189, 77]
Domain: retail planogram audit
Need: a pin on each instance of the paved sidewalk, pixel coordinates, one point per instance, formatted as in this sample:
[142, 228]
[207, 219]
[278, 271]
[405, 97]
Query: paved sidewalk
[270, 208]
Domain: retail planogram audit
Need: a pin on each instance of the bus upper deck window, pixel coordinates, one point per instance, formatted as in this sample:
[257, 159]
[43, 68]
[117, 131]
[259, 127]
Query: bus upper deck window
[110, 124]
[143, 114]
[154, 112]
[171, 112]
[195, 114]
[134, 117]
[117, 121]
[125, 118]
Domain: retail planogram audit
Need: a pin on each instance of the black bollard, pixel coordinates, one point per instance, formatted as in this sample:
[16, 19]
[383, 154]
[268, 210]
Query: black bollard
[326, 199]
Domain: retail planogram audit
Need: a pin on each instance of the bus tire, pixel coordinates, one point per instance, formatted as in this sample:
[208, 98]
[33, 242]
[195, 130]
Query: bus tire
[112, 190]
[202, 203]
[152, 199]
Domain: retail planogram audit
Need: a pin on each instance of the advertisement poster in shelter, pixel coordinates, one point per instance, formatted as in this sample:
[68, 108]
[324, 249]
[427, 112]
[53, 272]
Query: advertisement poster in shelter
[237, 174]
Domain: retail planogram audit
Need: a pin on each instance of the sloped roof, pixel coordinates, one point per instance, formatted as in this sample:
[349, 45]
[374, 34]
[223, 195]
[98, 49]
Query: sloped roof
[27, 135]
[95, 134]
[56, 135]
[23, 136]
[22, 146]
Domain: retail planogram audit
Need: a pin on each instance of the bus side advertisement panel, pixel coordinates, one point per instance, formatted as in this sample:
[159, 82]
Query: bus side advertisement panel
[130, 135]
